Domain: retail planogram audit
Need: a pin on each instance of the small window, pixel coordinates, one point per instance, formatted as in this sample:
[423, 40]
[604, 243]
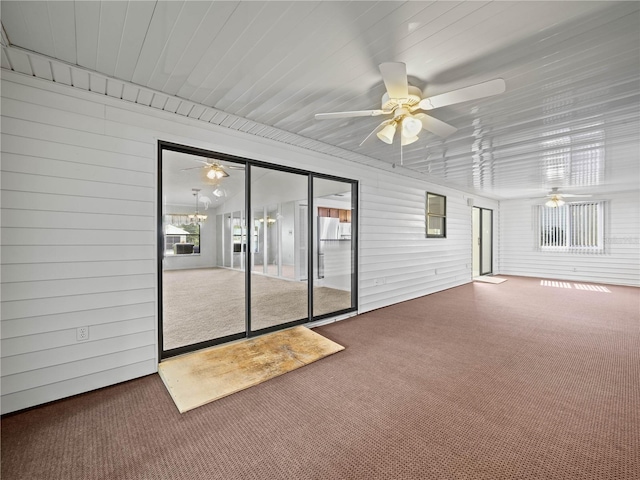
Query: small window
[576, 227]
[436, 216]
[181, 235]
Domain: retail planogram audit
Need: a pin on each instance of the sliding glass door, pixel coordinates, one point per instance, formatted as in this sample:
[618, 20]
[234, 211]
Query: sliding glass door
[202, 260]
[279, 288]
[245, 247]
[482, 220]
[333, 246]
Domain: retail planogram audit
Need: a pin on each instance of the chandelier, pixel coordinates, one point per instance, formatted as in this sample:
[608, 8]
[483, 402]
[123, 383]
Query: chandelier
[197, 217]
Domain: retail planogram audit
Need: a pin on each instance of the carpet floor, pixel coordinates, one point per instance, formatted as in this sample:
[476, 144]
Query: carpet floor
[207, 303]
[513, 381]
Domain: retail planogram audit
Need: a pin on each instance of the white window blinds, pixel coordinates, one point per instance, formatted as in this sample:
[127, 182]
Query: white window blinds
[573, 227]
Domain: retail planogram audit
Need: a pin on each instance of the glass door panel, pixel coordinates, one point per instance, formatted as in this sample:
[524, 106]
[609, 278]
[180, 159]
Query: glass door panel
[482, 221]
[487, 242]
[279, 293]
[258, 244]
[333, 247]
[476, 241]
[203, 285]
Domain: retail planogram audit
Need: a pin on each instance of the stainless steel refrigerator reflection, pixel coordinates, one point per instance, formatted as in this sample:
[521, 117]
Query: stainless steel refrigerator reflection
[328, 230]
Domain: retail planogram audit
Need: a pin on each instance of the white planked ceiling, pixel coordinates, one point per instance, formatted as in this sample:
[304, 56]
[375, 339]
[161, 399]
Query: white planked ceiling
[569, 118]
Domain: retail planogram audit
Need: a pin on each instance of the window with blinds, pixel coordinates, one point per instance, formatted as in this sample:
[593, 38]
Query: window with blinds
[571, 227]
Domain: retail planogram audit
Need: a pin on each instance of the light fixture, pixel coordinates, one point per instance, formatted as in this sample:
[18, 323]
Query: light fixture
[216, 172]
[387, 133]
[197, 217]
[408, 140]
[411, 127]
[554, 202]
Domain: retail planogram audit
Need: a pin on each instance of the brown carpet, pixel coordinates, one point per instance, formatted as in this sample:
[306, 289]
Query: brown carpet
[515, 381]
[207, 303]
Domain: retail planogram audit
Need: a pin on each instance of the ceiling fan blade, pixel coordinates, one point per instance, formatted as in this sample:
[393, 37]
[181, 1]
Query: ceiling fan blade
[190, 168]
[572, 195]
[234, 167]
[481, 90]
[394, 75]
[436, 126]
[356, 113]
[376, 130]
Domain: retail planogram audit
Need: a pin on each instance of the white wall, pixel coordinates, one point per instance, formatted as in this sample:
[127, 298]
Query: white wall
[619, 264]
[79, 242]
[397, 262]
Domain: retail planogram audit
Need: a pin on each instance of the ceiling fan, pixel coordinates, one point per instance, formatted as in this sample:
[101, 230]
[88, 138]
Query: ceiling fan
[403, 101]
[213, 170]
[556, 199]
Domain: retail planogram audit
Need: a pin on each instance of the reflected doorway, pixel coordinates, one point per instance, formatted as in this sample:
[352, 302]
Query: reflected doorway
[482, 219]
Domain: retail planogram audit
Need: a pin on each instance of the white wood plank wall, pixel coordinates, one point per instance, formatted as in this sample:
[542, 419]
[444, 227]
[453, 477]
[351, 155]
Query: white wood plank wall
[78, 233]
[397, 261]
[78, 236]
[619, 264]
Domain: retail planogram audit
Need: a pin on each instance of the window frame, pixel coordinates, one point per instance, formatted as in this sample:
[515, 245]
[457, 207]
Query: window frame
[165, 235]
[568, 231]
[429, 215]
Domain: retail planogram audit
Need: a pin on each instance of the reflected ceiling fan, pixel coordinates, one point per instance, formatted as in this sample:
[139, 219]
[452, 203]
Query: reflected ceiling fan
[403, 102]
[213, 170]
[556, 199]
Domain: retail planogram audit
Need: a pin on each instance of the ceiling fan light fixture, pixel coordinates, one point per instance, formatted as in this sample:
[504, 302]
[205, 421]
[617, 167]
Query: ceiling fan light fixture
[215, 172]
[408, 140]
[554, 202]
[387, 133]
[411, 126]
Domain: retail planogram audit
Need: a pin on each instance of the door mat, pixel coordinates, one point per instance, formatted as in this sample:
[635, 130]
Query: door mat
[201, 377]
[486, 279]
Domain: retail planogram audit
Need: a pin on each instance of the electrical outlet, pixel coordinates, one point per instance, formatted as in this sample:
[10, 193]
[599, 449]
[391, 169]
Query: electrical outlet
[82, 334]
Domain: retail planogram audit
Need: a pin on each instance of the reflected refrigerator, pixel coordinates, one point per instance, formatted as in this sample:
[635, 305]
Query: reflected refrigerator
[328, 230]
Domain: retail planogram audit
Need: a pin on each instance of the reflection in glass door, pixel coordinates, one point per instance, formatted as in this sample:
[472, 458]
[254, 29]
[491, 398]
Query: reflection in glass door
[239, 243]
[482, 220]
[333, 246]
[204, 226]
[279, 289]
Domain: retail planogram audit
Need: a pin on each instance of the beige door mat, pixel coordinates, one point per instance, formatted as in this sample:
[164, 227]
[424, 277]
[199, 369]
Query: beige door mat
[201, 377]
[487, 279]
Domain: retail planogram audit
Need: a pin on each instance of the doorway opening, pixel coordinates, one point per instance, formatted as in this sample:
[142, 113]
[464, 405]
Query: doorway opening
[482, 219]
[239, 250]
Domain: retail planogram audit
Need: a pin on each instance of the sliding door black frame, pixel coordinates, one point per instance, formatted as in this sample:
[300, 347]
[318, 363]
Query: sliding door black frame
[482, 239]
[249, 163]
